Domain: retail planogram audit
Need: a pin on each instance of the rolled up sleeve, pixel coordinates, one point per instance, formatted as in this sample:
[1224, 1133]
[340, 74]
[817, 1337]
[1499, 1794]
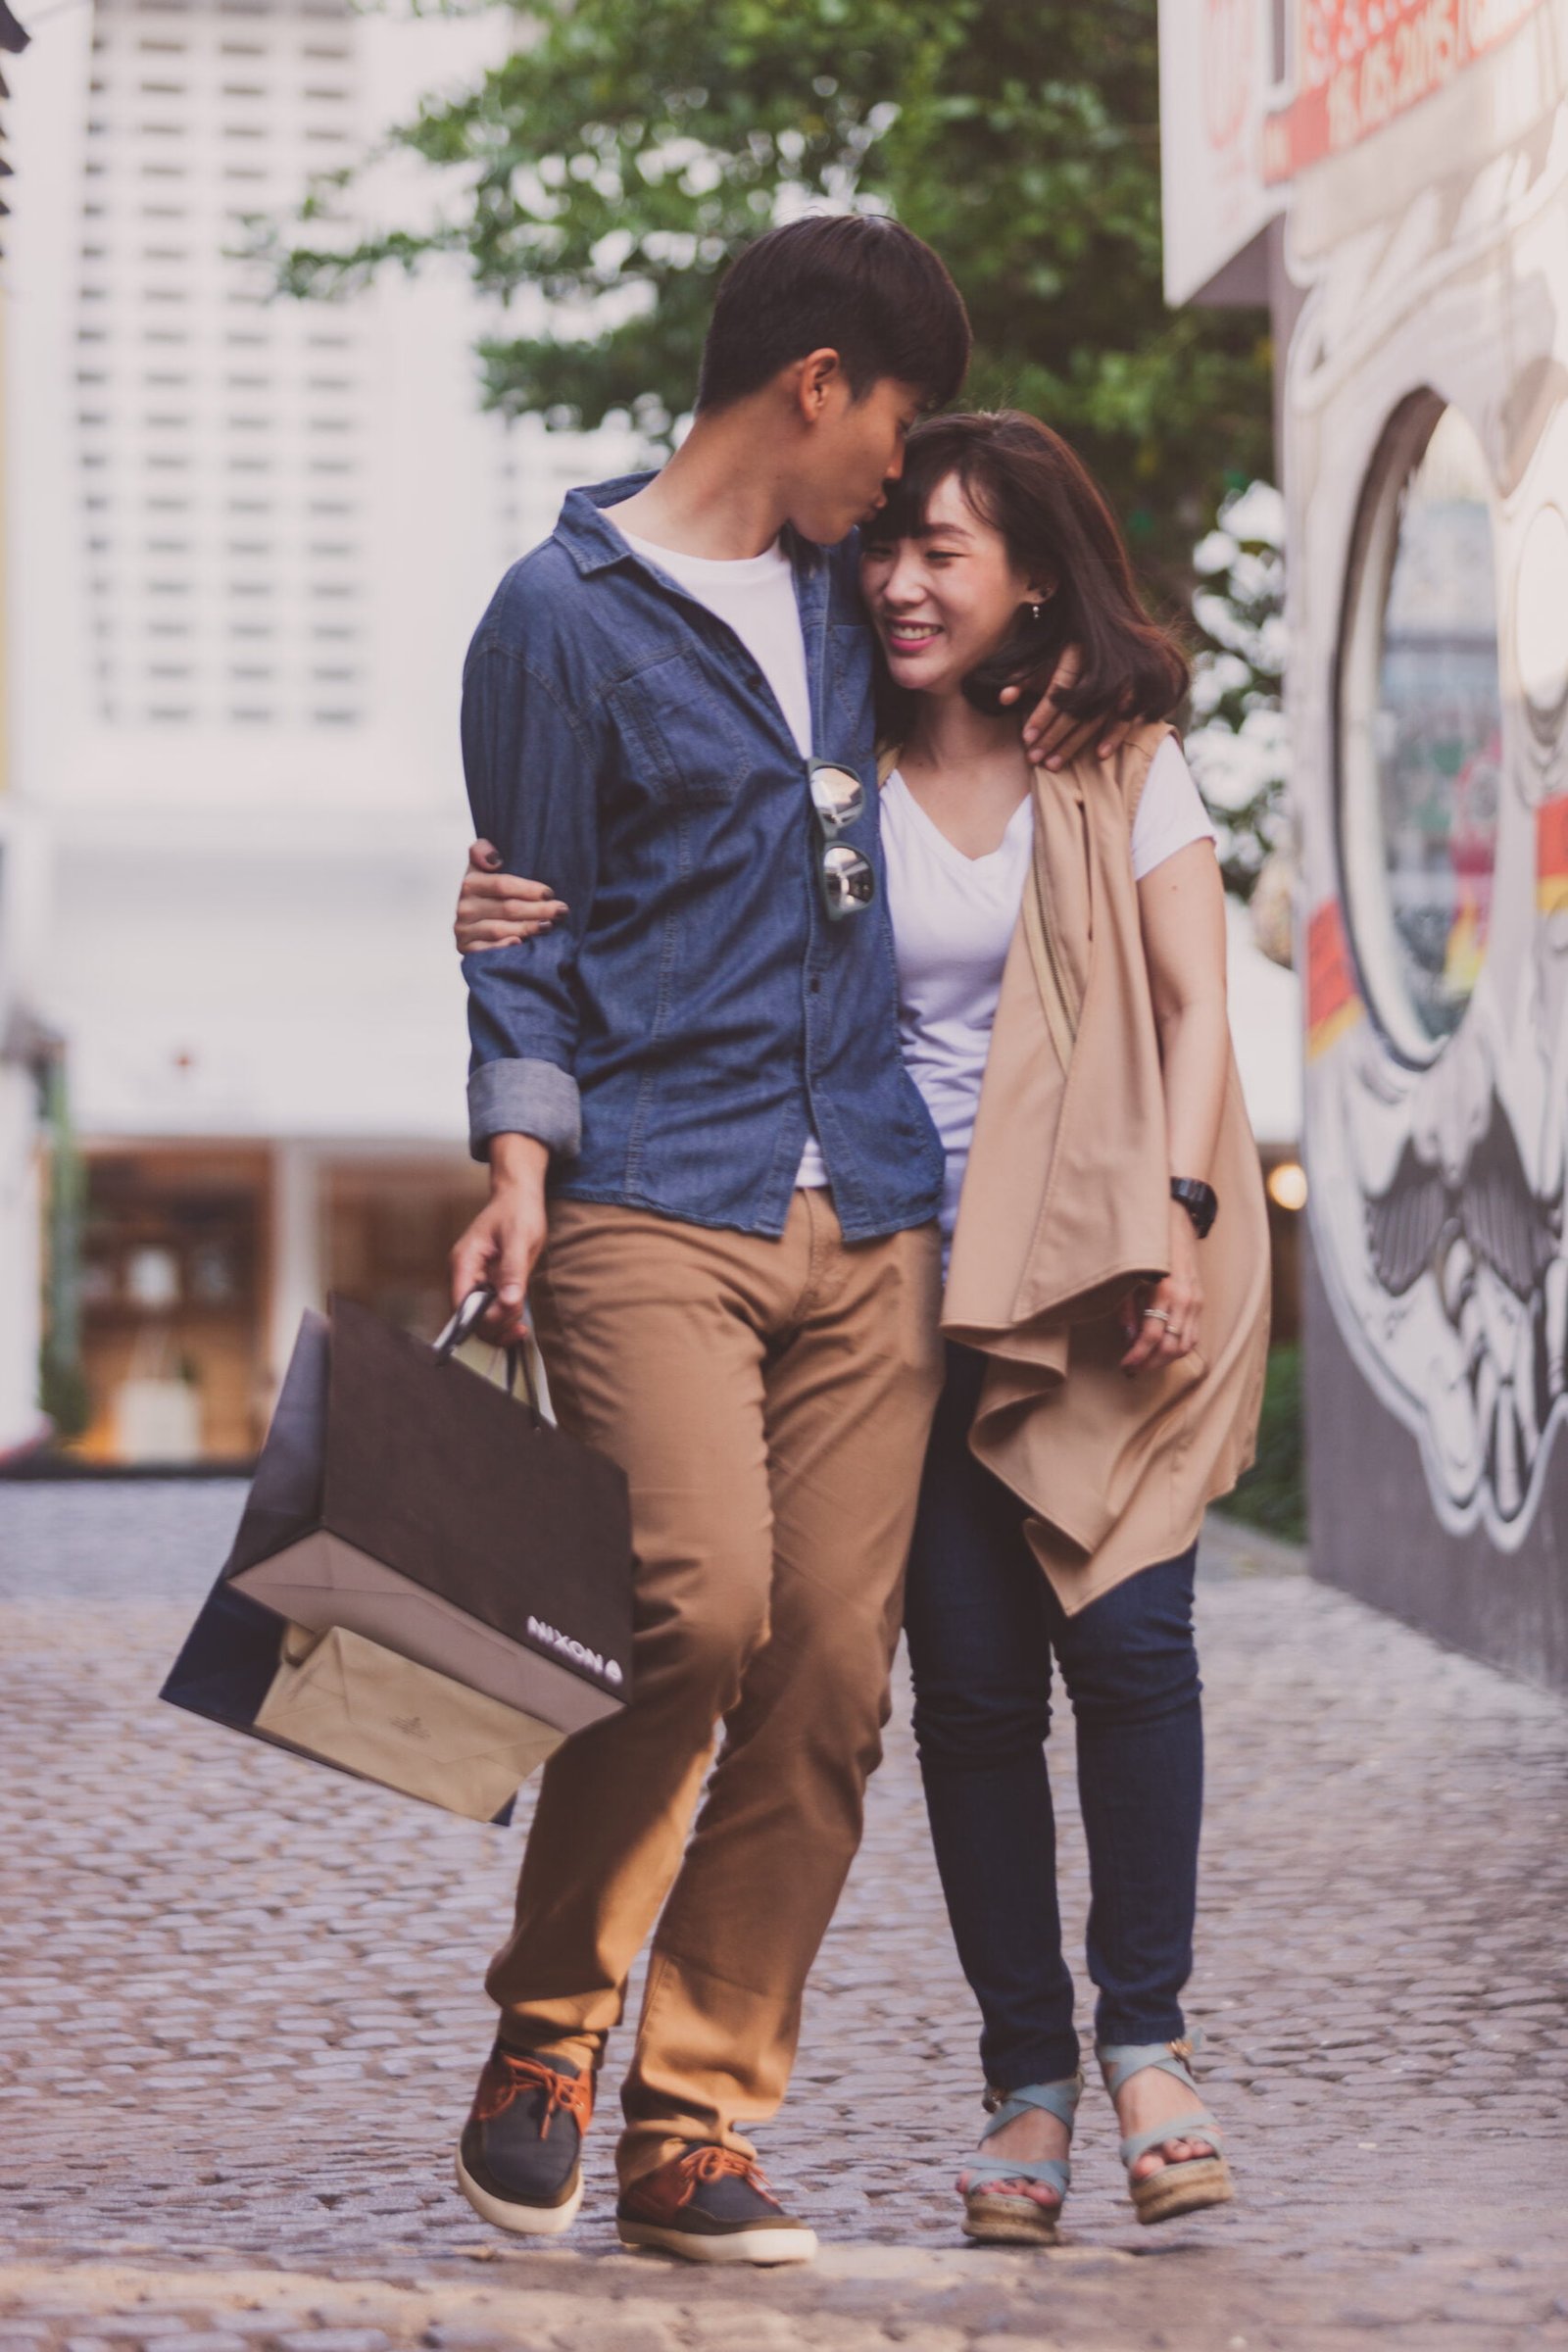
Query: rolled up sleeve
[532, 765]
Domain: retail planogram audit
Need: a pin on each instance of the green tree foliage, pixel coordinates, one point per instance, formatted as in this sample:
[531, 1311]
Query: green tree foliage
[619, 154]
[1272, 1494]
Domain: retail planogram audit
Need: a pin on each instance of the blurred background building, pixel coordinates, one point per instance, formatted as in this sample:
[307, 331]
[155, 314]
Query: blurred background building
[21, 1073]
[1394, 180]
[246, 542]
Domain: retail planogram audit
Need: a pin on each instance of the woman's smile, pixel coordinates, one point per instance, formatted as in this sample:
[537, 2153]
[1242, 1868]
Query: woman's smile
[907, 636]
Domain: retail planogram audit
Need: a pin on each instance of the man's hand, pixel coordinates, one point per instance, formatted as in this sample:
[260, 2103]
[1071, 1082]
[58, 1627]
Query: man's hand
[1051, 739]
[502, 1245]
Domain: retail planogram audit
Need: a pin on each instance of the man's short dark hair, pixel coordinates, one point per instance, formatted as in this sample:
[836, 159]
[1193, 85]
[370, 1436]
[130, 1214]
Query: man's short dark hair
[856, 283]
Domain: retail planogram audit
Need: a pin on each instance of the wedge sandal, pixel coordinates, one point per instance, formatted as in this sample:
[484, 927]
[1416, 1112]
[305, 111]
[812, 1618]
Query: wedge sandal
[992, 2213]
[1176, 2189]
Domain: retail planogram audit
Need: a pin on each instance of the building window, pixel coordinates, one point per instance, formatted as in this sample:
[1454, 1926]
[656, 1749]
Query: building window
[214, 89]
[1420, 724]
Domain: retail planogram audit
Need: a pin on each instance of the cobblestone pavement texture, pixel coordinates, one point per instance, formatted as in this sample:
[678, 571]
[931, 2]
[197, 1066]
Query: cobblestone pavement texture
[242, 2018]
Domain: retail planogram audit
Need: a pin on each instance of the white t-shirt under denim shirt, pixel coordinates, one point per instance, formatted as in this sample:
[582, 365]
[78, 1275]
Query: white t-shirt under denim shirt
[756, 596]
[953, 922]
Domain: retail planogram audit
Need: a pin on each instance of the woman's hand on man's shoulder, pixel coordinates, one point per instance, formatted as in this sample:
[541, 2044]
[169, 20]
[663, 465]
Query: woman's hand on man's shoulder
[495, 908]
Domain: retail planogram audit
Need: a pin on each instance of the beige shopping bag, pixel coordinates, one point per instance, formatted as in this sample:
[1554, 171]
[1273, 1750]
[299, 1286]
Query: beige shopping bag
[347, 1700]
[321, 1581]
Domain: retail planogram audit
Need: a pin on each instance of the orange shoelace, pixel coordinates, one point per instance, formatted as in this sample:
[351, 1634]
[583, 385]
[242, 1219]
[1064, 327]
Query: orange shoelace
[511, 2073]
[708, 2164]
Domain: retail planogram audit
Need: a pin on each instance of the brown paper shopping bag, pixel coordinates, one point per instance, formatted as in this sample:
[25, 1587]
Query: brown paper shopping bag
[350, 1703]
[404, 1501]
[402, 1497]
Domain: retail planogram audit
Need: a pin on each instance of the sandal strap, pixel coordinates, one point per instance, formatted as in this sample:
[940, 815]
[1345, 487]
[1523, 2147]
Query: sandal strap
[1053, 2171]
[1197, 2126]
[1120, 2060]
[1059, 2100]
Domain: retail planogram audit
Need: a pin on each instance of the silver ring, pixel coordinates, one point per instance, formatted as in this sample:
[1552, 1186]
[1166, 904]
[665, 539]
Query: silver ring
[1157, 1314]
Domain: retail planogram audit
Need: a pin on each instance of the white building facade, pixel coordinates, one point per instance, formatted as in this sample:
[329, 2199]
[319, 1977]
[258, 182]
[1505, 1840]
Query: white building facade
[248, 540]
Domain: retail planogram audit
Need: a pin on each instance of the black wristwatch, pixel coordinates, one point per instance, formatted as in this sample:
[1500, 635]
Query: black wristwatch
[1200, 1202]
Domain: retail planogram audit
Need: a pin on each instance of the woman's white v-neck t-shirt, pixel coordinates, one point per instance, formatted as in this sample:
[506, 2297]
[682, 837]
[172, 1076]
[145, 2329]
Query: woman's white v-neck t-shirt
[952, 923]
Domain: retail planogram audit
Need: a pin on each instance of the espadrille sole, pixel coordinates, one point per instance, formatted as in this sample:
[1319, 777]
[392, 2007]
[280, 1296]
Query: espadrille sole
[998, 2220]
[1178, 2189]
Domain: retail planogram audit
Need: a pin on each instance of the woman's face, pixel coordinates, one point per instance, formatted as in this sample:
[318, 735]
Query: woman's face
[944, 600]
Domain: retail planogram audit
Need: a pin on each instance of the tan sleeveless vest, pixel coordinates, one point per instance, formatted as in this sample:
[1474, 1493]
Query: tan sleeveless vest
[1066, 1205]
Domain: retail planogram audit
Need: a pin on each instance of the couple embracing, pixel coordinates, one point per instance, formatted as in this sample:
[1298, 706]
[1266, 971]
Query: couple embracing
[847, 978]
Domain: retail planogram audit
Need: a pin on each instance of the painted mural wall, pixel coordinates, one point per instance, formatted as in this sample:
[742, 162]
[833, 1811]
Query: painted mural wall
[1413, 157]
[1427, 464]
[1427, 485]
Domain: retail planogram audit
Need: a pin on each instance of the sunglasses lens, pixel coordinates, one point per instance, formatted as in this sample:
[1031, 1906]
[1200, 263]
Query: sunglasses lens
[848, 882]
[837, 795]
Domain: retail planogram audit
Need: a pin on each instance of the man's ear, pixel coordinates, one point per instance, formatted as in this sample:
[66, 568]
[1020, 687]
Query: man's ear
[820, 380]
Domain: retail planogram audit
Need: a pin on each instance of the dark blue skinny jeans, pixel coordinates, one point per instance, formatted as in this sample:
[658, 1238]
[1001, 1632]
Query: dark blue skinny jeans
[983, 1621]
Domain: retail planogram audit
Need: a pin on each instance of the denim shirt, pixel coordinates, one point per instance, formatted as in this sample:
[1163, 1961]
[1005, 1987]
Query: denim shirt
[676, 1034]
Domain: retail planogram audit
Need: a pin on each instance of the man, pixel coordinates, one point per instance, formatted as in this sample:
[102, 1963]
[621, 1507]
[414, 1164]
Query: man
[667, 713]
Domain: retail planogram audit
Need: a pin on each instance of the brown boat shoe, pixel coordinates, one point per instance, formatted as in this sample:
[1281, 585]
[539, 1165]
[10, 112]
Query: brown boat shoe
[518, 2159]
[711, 2204]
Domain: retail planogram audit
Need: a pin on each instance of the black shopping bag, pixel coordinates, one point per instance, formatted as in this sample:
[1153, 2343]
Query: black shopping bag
[414, 1534]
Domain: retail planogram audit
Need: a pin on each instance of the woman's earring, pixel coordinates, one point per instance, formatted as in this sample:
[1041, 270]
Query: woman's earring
[1035, 612]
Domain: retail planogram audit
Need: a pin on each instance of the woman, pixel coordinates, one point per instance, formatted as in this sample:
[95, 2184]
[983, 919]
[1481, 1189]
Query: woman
[1060, 945]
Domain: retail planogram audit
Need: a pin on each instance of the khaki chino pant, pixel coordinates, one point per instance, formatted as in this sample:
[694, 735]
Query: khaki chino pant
[769, 1403]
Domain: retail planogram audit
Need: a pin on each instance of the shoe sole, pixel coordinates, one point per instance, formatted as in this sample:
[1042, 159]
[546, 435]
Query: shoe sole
[1202, 2182]
[1009, 2222]
[767, 2247]
[523, 2221]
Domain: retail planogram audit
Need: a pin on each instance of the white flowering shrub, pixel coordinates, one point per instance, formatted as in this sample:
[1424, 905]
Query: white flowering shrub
[1237, 741]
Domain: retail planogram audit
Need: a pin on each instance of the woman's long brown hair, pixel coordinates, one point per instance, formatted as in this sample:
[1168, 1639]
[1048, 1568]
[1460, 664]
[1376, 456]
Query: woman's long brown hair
[1023, 480]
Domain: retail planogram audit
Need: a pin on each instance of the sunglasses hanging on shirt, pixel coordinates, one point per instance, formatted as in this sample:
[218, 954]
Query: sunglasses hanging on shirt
[838, 800]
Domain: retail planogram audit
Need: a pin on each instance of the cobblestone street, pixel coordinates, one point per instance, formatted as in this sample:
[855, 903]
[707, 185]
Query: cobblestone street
[243, 2016]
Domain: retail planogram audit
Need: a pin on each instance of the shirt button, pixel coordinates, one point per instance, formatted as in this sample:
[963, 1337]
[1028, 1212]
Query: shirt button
[817, 983]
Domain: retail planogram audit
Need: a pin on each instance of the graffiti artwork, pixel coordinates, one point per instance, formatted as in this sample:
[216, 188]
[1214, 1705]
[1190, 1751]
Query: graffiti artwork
[1431, 471]
[1440, 1222]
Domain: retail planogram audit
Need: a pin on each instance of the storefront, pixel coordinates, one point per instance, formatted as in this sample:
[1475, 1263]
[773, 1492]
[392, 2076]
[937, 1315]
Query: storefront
[1395, 182]
[231, 1022]
[197, 1260]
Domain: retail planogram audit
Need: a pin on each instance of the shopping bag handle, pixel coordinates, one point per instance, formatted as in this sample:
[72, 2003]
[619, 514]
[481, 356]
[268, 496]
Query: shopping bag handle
[519, 1356]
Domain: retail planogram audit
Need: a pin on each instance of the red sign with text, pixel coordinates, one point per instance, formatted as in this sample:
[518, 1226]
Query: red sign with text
[1364, 61]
